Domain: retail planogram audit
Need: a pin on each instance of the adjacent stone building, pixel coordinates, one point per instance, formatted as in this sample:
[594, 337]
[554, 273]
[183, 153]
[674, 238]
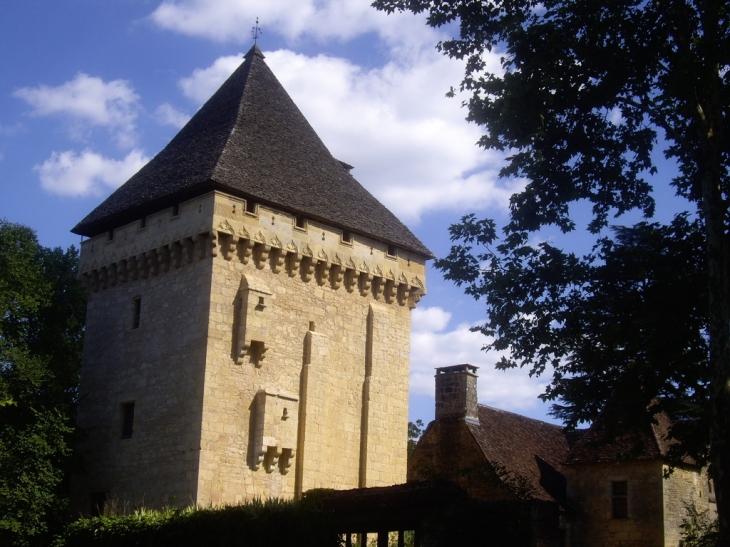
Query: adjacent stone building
[600, 487]
[248, 319]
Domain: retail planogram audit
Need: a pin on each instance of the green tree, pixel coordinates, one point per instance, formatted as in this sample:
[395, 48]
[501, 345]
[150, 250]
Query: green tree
[603, 320]
[698, 530]
[42, 311]
[587, 89]
[415, 430]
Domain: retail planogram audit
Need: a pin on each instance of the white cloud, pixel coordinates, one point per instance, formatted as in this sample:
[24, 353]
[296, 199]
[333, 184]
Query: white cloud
[432, 319]
[231, 20]
[615, 116]
[409, 144]
[72, 174]
[511, 390]
[167, 114]
[205, 81]
[88, 100]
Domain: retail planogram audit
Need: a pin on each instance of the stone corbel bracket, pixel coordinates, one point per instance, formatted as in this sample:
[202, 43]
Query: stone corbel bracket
[253, 321]
[293, 258]
[155, 259]
[275, 430]
[309, 263]
[231, 240]
[322, 267]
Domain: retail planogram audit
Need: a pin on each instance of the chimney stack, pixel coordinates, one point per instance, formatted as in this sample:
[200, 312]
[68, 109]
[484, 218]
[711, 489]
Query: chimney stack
[456, 393]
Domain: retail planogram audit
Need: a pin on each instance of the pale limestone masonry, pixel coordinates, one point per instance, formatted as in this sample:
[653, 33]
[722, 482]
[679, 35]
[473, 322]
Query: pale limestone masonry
[655, 497]
[270, 358]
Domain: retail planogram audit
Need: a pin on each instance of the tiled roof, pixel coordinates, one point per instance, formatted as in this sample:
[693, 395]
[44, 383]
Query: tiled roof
[530, 452]
[251, 140]
[624, 430]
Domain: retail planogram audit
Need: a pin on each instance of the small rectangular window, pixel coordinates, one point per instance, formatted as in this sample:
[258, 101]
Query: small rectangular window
[300, 222]
[142, 222]
[251, 207]
[620, 499]
[136, 312]
[392, 250]
[346, 236]
[110, 235]
[175, 210]
[127, 420]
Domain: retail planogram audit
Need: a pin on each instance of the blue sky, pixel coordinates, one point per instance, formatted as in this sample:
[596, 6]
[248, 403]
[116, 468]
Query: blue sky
[91, 90]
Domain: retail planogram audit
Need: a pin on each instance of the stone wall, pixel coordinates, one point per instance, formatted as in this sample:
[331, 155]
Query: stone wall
[336, 340]
[589, 492]
[684, 485]
[159, 365]
[271, 357]
[447, 450]
[655, 503]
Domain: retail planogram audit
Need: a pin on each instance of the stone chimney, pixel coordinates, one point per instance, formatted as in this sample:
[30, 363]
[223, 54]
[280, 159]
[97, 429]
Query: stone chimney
[456, 393]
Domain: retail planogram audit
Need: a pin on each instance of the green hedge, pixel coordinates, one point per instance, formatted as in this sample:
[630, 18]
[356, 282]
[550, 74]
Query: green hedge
[256, 524]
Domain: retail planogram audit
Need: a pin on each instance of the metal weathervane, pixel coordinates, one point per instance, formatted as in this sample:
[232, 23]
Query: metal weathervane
[256, 32]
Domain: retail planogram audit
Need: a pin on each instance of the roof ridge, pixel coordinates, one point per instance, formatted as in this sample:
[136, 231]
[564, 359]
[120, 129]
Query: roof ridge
[522, 416]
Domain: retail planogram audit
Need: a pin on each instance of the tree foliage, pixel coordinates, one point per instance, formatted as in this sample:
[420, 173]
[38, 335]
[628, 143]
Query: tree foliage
[587, 92]
[415, 430]
[42, 311]
[698, 529]
[600, 321]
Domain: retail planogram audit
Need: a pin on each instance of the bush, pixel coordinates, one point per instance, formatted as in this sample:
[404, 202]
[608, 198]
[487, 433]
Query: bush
[698, 530]
[256, 524]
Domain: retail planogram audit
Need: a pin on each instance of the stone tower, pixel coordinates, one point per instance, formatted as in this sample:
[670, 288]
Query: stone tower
[248, 317]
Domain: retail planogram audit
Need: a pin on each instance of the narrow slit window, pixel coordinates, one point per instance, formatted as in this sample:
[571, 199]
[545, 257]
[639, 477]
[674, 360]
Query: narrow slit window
[175, 210]
[110, 235]
[127, 420]
[142, 222]
[619, 499]
[136, 312]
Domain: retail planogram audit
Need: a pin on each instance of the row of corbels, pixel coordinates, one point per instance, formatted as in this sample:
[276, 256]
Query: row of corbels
[274, 456]
[303, 262]
[152, 262]
[320, 267]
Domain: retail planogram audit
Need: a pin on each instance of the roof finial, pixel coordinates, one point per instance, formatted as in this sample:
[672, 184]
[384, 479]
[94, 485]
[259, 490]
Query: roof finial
[256, 32]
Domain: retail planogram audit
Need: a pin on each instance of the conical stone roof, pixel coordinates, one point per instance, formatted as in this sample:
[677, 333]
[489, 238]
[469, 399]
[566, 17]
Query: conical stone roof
[251, 140]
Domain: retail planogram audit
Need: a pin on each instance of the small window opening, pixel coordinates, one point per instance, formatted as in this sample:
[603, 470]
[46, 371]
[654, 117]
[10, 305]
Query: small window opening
[311, 326]
[300, 222]
[136, 312]
[251, 206]
[620, 499]
[392, 250]
[98, 500]
[127, 420]
[142, 222]
[110, 235]
[175, 210]
[261, 304]
[347, 236]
